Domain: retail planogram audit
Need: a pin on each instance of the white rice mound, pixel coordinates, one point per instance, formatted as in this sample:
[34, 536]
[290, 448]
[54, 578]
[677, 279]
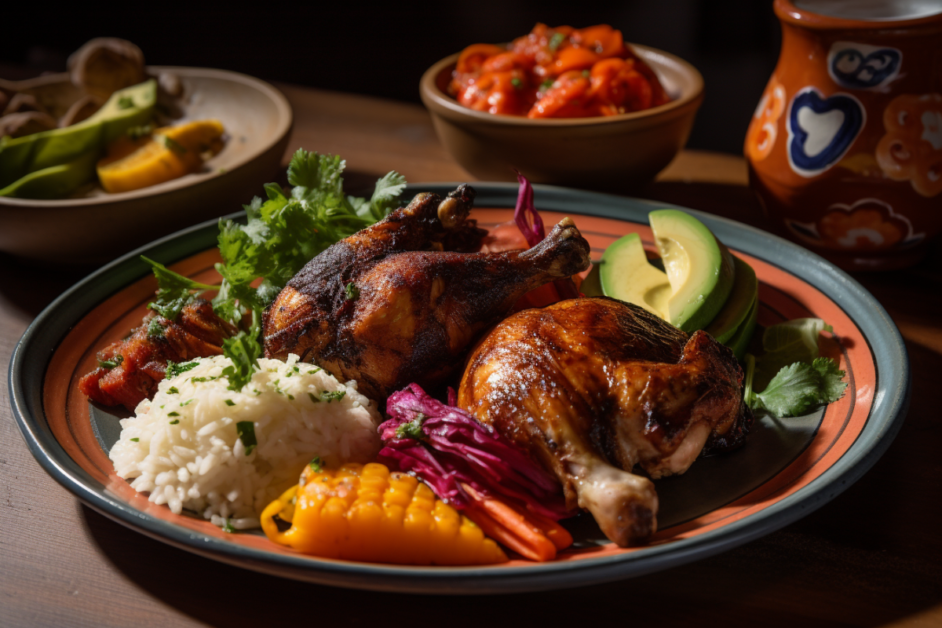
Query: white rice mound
[183, 447]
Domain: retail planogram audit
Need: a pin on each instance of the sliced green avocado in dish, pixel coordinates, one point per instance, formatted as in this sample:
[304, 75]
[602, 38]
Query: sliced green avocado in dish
[739, 341]
[127, 108]
[736, 309]
[591, 286]
[699, 267]
[625, 274]
[54, 181]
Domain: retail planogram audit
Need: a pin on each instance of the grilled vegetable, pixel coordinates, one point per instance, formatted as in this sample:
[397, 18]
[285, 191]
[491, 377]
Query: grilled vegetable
[366, 513]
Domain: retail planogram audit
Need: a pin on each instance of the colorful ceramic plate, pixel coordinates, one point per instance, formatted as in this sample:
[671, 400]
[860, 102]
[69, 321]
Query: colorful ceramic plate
[786, 470]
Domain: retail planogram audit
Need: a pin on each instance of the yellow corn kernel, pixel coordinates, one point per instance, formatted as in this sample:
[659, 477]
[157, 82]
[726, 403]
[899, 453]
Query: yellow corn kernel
[367, 513]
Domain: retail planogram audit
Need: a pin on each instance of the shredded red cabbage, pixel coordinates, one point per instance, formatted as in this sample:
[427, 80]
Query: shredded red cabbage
[525, 214]
[530, 225]
[446, 447]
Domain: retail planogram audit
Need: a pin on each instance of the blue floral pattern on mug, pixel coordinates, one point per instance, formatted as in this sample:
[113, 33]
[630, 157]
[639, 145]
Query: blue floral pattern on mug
[821, 130]
[861, 66]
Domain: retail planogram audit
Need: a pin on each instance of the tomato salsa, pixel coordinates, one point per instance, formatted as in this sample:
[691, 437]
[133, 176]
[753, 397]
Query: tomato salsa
[557, 72]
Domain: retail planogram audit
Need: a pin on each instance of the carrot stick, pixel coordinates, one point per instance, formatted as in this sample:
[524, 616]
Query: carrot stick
[530, 535]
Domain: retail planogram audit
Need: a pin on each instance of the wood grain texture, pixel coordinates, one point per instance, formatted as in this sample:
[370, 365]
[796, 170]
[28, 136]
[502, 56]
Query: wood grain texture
[871, 557]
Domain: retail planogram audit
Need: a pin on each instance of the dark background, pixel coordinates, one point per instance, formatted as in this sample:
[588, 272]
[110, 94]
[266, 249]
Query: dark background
[382, 49]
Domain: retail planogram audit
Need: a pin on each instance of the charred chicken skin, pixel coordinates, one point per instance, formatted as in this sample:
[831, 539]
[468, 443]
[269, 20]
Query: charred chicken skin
[136, 365]
[392, 305]
[593, 388]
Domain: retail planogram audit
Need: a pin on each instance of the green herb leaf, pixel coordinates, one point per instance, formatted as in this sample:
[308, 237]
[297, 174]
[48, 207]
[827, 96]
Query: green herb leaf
[173, 290]
[246, 432]
[112, 363]
[331, 395]
[174, 369]
[786, 343]
[173, 145]
[545, 85]
[353, 293]
[230, 402]
[316, 465]
[227, 526]
[800, 387]
[175, 421]
[135, 440]
[313, 398]
[516, 82]
[155, 328]
[173, 414]
[173, 390]
[556, 41]
[412, 429]
[244, 350]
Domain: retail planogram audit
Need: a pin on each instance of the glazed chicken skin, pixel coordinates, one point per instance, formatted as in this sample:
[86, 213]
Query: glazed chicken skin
[390, 305]
[593, 388]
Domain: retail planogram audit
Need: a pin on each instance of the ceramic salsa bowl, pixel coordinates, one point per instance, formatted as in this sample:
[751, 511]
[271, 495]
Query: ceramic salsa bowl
[612, 153]
[93, 226]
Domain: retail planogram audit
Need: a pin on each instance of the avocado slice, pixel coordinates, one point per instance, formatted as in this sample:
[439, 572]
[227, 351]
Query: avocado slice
[736, 309]
[699, 267]
[625, 274]
[129, 107]
[591, 286]
[739, 341]
[54, 181]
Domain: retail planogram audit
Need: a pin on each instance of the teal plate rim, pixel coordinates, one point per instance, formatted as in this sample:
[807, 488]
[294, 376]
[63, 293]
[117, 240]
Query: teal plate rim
[891, 399]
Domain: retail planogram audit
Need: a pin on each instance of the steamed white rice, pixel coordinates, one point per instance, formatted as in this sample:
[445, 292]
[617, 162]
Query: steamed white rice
[183, 447]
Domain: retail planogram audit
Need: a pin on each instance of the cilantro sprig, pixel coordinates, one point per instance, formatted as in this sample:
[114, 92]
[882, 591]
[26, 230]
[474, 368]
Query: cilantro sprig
[282, 233]
[793, 378]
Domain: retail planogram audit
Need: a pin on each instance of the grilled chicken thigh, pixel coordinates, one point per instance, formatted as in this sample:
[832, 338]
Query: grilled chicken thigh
[594, 388]
[388, 306]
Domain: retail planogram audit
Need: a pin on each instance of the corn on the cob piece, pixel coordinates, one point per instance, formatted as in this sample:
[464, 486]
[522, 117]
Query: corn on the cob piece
[366, 513]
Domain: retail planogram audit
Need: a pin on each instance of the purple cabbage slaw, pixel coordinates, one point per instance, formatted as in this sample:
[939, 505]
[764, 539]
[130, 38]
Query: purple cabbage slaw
[530, 225]
[456, 448]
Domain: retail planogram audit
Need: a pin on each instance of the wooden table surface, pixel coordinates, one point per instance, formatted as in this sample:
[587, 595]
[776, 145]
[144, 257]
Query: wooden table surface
[871, 557]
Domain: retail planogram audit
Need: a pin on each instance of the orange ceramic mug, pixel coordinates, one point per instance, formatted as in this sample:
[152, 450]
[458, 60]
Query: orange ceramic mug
[845, 147]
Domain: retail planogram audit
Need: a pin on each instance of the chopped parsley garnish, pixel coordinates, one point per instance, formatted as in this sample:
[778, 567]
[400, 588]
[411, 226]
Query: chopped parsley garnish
[556, 41]
[155, 328]
[315, 371]
[516, 82]
[204, 379]
[316, 465]
[173, 414]
[135, 440]
[173, 390]
[545, 85]
[230, 402]
[112, 363]
[125, 102]
[353, 293]
[331, 395]
[227, 526]
[313, 397]
[174, 369]
[246, 432]
[412, 429]
[187, 402]
[174, 422]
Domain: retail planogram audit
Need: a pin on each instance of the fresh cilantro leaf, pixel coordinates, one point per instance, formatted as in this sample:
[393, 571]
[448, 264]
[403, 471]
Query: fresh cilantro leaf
[316, 465]
[545, 85]
[246, 432]
[135, 440]
[112, 363]
[174, 368]
[244, 350]
[386, 194]
[227, 526]
[155, 328]
[412, 429]
[800, 387]
[174, 291]
[556, 41]
[786, 343]
[331, 395]
[352, 292]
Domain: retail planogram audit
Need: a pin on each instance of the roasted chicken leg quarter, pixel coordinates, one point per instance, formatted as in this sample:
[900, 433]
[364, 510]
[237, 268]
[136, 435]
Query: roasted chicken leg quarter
[593, 388]
[392, 305]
